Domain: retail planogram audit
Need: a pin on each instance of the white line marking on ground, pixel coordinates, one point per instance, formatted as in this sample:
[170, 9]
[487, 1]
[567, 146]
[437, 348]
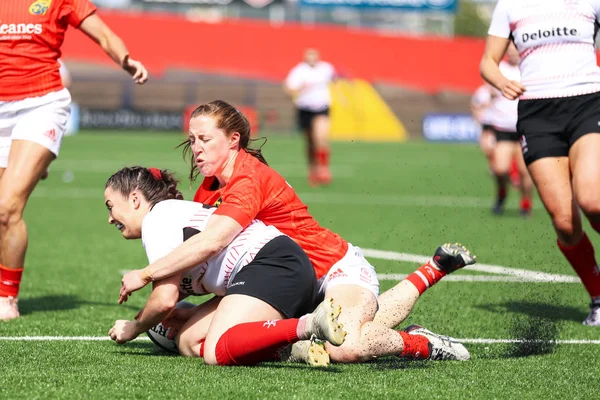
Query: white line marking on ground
[523, 274]
[144, 339]
[497, 341]
[62, 338]
[470, 278]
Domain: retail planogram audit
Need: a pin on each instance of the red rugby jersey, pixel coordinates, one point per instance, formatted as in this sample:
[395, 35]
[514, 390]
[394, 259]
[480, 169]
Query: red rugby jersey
[31, 34]
[256, 191]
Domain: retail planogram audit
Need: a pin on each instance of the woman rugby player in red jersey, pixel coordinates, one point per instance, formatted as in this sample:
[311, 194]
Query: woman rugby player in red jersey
[245, 188]
[34, 109]
[559, 115]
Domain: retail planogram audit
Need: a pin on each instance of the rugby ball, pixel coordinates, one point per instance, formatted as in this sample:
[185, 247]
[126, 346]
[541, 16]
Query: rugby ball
[159, 334]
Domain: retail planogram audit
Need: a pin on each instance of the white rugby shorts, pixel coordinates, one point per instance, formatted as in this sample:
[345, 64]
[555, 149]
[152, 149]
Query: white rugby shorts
[42, 120]
[352, 269]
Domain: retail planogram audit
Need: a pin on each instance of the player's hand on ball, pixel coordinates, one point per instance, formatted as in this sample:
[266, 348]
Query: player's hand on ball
[131, 282]
[123, 331]
[176, 320]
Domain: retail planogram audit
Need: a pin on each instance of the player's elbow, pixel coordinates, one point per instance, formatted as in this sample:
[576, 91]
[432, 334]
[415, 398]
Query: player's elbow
[167, 300]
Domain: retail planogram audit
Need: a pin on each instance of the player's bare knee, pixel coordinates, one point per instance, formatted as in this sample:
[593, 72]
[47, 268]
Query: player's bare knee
[186, 346]
[590, 205]
[11, 211]
[567, 230]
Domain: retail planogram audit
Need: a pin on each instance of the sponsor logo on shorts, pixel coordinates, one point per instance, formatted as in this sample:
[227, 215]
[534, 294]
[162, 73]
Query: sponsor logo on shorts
[218, 202]
[51, 134]
[524, 144]
[338, 273]
[365, 275]
[241, 283]
[39, 7]
[554, 32]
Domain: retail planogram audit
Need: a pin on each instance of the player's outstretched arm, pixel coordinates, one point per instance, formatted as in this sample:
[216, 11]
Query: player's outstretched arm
[161, 302]
[99, 32]
[219, 233]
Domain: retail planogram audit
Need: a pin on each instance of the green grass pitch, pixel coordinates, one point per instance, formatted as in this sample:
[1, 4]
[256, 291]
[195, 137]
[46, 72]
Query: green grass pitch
[404, 198]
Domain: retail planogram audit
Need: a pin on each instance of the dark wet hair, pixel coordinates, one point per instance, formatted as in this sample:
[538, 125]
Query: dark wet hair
[155, 185]
[229, 119]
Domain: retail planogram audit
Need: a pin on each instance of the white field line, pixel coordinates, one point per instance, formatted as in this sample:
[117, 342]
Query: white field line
[144, 339]
[522, 274]
[62, 338]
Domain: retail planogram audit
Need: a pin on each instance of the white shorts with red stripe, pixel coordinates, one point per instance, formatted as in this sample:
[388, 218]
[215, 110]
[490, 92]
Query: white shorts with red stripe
[42, 120]
[352, 269]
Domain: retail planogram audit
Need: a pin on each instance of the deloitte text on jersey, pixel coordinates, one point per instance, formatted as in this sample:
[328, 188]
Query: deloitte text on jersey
[564, 31]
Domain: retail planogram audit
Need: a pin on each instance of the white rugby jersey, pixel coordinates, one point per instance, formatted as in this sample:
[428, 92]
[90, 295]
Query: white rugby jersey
[316, 96]
[504, 113]
[162, 232]
[555, 39]
[482, 98]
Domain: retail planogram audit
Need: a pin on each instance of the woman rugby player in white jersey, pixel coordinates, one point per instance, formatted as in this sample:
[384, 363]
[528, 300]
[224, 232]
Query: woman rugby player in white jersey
[308, 85]
[558, 115]
[502, 115]
[265, 279]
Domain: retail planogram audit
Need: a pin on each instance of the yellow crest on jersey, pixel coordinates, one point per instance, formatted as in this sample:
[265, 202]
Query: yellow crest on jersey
[39, 7]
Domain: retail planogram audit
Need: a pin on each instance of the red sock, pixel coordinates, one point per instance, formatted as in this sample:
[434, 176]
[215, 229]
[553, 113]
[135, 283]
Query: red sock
[596, 226]
[525, 204]
[323, 157]
[501, 193]
[10, 279]
[202, 348]
[426, 276]
[415, 346]
[582, 259]
[253, 342]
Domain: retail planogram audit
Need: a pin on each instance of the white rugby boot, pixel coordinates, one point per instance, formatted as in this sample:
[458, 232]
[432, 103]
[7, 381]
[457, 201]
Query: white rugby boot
[323, 323]
[441, 347]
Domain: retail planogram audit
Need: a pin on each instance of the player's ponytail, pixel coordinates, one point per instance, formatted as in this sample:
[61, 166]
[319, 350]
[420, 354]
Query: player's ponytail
[154, 184]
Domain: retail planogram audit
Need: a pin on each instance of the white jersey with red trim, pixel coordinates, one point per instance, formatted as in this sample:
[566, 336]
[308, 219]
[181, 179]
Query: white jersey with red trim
[504, 113]
[163, 230]
[555, 39]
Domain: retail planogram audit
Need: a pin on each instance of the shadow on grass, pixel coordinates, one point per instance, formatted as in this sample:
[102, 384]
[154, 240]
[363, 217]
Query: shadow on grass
[536, 309]
[61, 303]
[533, 328]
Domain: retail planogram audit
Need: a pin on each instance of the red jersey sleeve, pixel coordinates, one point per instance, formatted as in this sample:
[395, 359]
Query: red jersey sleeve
[242, 199]
[78, 10]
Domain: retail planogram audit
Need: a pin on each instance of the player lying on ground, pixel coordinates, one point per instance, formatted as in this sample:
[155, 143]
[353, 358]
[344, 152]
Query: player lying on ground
[267, 282]
[350, 280]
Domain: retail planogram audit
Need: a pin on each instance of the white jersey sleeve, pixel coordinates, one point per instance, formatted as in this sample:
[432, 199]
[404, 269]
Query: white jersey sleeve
[294, 79]
[500, 25]
[159, 235]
